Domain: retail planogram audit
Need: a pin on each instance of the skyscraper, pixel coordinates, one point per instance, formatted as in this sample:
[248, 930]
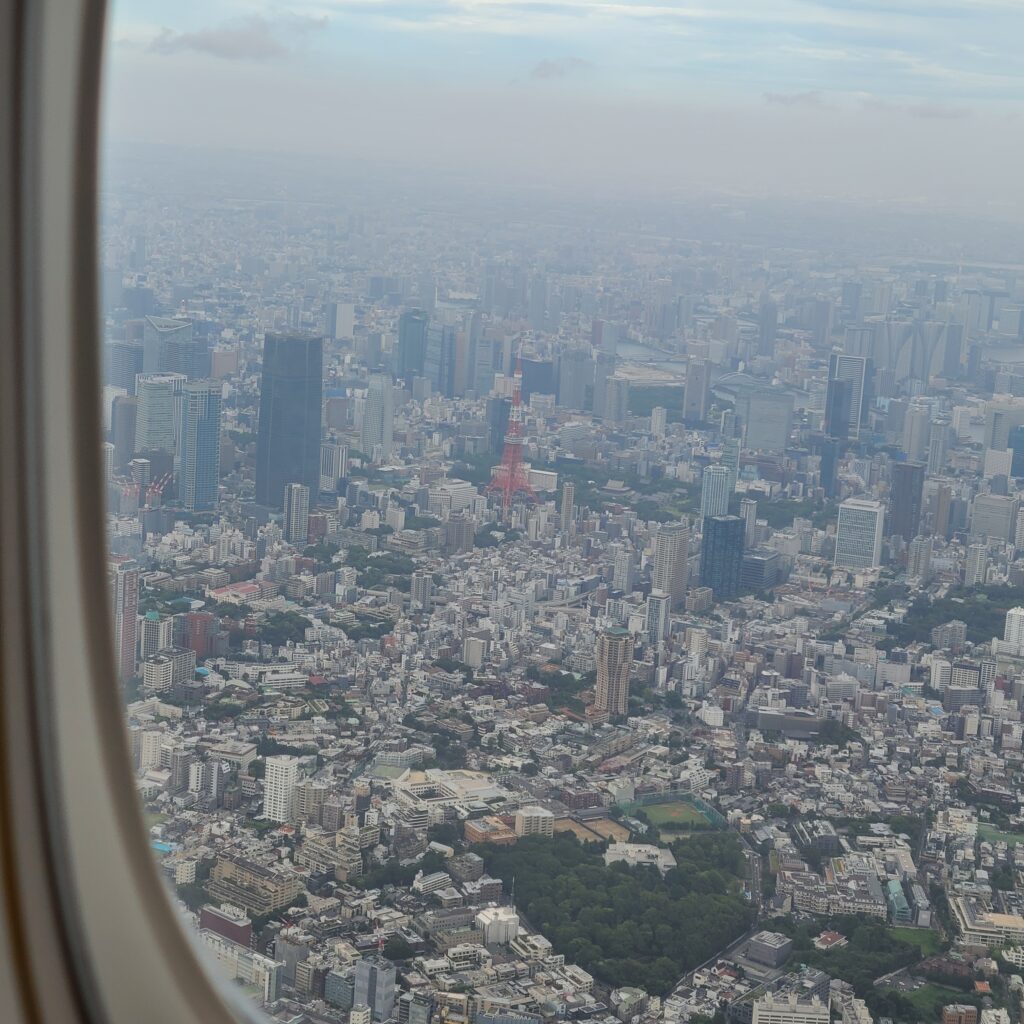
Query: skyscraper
[168, 346]
[123, 575]
[659, 605]
[200, 446]
[124, 412]
[158, 420]
[715, 491]
[377, 438]
[412, 345]
[375, 986]
[721, 563]
[696, 390]
[668, 572]
[748, 513]
[288, 436]
[976, 569]
[767, 326]
[568, 497]
[859, 534]
[845, 401]
[421, 590]
[439, 358]
[157, 633]
[919, 559]
[838, 405]
[575, 372]
[659, 419]
[938, 447]
[731, 459]
[905, 499]
[614, 657]
[333, 465]
[916, 431]
[282, 773]
[296, 513]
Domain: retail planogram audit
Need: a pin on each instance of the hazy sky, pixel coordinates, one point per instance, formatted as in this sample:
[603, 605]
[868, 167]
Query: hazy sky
[916, 100]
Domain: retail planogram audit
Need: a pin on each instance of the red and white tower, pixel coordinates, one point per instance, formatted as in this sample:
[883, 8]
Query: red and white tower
[511, 477]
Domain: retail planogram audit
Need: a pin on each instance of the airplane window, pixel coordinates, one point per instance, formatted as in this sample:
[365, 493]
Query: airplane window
[564, 481]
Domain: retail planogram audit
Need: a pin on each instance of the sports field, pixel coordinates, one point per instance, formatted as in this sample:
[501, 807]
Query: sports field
[991, 834]
[676, 814]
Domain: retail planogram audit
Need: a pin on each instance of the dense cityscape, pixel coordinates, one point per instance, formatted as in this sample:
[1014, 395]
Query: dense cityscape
[535, 609]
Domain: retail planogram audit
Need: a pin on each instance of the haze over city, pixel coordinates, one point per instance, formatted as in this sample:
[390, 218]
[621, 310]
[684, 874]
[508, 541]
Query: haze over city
[908, 102]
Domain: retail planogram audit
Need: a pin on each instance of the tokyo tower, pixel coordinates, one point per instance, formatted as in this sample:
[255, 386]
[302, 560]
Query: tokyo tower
[511, 477]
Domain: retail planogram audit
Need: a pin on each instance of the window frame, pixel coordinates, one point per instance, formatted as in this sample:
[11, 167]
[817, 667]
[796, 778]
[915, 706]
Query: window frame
[88, 931]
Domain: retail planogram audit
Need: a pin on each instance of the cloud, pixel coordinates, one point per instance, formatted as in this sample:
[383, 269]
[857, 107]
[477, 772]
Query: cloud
[794, 99]
[249, 38]
[559, 68]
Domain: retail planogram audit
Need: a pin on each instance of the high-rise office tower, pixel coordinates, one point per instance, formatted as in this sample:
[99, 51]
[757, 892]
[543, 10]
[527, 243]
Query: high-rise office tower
[851, 300]
[158, 420]
[819, 321]
[200, 446]
[767, 326]
[905, 490]
[731, 459]
[748, 513]
[169, 346]
[412, 345]
[838, 405]
[123, 576]
[916, 431]
[938, 445]
[288, 435]
[976, 570]
[696, 390]
[859, 534]
[333, 465]
[568, 497]
[941, 509]
[280, 779]
[123, 416]
[668, 571]
[616, 403]
[721, 563]
[575, 373]
[659, 606]
[846, 398]
[993, 515]
[108, 461]
[296, 513]
[439, 358]
[614, 657]
[340, 320]
[1015, 442]
[919, 559]
[377, 436]
[123, 364]
[715, 491]
[659, 419]
[604, 367]
[375, 986]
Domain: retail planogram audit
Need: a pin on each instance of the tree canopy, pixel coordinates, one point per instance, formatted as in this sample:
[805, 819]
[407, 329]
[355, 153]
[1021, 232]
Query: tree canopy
[628, 926]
